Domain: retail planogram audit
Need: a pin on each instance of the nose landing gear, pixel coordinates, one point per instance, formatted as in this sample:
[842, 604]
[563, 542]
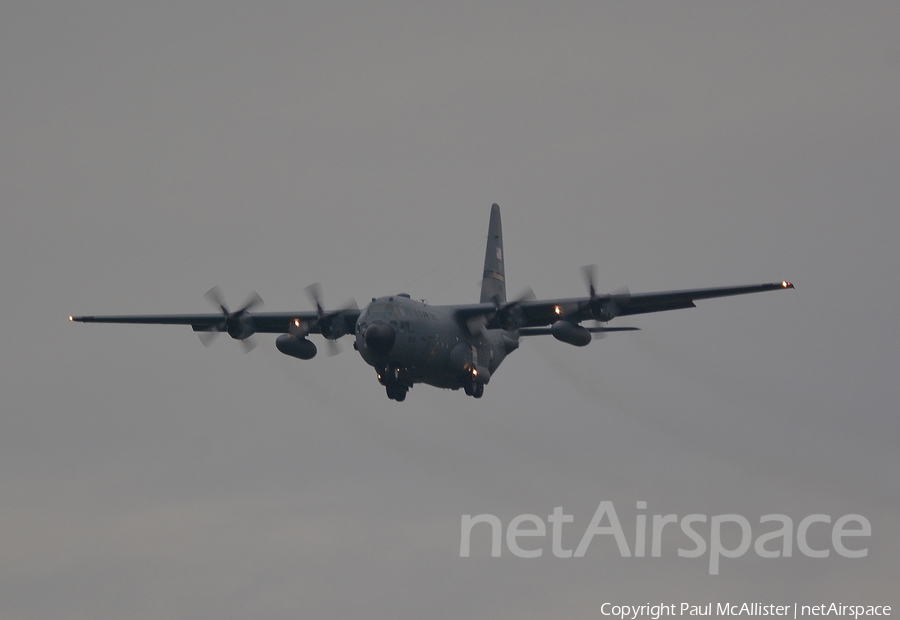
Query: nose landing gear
[394, 384]
[395, 391]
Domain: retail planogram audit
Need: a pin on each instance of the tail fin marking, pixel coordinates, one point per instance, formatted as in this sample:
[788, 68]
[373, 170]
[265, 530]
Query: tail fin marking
[493, 283]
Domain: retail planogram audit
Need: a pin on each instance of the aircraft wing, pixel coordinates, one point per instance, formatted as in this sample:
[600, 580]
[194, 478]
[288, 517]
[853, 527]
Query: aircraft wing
[543, 312]
[261, 322]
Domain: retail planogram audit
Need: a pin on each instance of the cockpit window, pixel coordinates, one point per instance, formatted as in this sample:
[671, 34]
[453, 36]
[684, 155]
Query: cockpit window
[377, 310]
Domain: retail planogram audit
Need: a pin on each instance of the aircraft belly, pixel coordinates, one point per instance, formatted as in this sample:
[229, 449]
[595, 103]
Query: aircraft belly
[429, 361]
[431, 356]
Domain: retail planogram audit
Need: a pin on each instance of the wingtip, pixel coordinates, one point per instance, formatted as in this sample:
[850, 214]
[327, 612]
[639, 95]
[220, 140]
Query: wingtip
[786, 284]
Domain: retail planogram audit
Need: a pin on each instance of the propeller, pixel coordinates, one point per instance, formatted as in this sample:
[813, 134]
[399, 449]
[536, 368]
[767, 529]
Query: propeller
[324, 319]
[606, 310]
[616, 300]
[315, 295]
[504, 313]
[590, 272]
[237, 323]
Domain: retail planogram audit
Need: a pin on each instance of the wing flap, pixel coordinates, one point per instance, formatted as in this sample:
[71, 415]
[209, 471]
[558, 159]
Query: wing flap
[204, 320]
[543, 331]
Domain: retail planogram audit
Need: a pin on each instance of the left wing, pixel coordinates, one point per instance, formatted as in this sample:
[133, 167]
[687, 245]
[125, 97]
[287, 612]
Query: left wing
[241, 324]
[529, 315]
[328, 323]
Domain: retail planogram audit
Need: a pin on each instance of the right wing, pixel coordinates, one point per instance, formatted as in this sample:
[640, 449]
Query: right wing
[532, 316]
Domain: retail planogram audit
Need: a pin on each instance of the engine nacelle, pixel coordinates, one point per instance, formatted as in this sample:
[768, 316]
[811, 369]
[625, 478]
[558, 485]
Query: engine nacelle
[605, 312]
[570, 333]
[296, 347]
[333, 327]
[240, 327]
[607, 308]
[510, 319]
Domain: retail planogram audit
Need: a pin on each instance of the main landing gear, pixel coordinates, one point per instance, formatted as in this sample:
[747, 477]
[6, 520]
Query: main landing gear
[472, 388]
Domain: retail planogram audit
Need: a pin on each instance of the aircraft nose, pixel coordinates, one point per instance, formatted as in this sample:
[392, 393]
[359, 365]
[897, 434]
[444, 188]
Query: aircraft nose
[380, 338]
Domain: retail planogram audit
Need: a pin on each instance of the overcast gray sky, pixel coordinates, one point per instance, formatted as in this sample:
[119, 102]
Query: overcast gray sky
[153, 150]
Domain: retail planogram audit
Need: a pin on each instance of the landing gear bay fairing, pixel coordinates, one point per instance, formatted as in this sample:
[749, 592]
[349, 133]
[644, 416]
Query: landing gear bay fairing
[461, 346]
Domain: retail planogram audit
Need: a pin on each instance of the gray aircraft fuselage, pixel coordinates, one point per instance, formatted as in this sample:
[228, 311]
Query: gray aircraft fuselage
[411, 342]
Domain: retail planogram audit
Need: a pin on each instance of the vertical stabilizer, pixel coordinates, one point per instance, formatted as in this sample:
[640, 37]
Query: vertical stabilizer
[493, 283]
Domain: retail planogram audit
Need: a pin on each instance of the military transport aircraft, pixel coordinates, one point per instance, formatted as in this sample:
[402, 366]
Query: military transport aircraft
[408, 341]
